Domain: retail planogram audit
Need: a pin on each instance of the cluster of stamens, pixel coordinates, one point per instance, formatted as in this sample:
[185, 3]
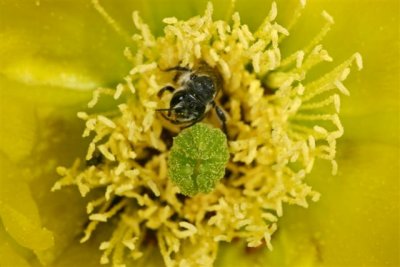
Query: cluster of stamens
[278, 125]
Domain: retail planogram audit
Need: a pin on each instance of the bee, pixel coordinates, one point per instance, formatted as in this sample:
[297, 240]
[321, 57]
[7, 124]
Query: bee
[194, 97]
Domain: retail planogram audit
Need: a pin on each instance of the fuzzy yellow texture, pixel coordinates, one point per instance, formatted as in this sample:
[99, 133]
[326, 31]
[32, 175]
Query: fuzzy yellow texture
[278, 126]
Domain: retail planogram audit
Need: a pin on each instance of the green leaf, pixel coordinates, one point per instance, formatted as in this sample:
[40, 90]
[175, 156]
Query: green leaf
[198, 159]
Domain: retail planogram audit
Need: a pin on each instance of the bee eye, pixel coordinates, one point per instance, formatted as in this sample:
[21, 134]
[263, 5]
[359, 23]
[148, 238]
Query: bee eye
[177, 98]
[178, 109]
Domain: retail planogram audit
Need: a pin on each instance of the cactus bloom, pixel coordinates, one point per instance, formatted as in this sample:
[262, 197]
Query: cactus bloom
[283, 132]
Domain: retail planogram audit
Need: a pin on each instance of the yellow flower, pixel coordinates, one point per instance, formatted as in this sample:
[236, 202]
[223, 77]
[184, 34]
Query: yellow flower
[54, 54]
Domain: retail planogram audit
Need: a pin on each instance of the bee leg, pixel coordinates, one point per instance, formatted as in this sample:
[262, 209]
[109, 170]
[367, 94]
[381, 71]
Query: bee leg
[221, 116]
[168, 88]
[178, 68]
[169, 114]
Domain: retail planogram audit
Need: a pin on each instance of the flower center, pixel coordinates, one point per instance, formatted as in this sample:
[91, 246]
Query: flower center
[278, 124]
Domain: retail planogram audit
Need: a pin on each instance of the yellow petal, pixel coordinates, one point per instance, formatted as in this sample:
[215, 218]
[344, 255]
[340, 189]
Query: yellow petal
[19, 211]
[17, 127]
[58, 43]
[10, 258]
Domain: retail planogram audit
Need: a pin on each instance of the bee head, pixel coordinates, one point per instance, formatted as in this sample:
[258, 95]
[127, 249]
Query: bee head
[184, 107]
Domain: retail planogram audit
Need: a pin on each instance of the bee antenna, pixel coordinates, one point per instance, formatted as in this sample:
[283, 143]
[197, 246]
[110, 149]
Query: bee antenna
[165, 109]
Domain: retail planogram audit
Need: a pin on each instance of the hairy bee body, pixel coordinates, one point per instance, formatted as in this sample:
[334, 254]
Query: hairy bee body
[195, 95]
